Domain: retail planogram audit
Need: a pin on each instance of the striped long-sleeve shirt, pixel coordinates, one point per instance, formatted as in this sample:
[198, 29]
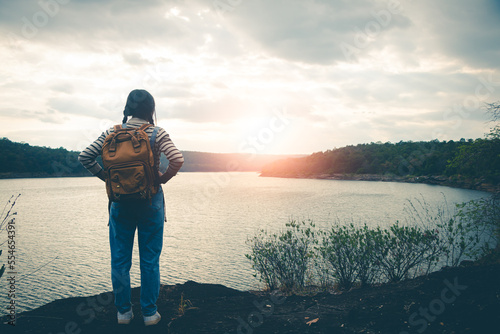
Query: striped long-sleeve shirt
[163, 144]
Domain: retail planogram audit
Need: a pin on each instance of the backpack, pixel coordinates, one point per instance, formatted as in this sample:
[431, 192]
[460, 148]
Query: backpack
[127, 156]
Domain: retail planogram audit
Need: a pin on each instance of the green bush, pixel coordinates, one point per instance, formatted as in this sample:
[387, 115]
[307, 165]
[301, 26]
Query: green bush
[347, 249]
[466, 231]
[282, 259]
[339, 249]
[402, 250]
[363, 255]
[481, 220]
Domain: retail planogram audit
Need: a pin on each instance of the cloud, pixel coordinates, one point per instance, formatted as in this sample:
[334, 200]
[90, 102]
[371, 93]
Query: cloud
[308, 31]
[414, 70]
[135, 59]
[464, 30]
[76, 106]
[63, 87]
[222, 110]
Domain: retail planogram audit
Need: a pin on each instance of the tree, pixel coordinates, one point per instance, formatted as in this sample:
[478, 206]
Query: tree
[494, 113]
[480, 158]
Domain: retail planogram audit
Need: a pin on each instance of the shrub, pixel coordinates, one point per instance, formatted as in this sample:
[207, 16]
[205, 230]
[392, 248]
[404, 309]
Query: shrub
[466, 230]
[347, 250]
[481, 219]
[368, 271]
[360, 254]
[282, 259]
[401, 250]
[339, 248]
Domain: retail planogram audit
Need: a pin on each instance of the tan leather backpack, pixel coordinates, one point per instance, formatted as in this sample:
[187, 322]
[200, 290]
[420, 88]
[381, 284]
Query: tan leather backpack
[127, 155]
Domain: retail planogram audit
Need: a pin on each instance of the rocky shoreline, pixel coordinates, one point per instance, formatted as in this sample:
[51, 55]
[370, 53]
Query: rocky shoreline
[480, 185]
[452, 300]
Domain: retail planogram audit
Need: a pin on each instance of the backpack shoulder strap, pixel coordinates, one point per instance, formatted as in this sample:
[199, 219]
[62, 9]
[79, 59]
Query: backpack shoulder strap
[152, 140]
[118, 127]
[145, 126]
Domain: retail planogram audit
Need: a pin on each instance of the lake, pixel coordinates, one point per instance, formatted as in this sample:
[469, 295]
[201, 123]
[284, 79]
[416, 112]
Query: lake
[62, 243]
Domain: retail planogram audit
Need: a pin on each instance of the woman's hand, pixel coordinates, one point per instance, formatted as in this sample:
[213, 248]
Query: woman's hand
[164, 177]
[102, 175]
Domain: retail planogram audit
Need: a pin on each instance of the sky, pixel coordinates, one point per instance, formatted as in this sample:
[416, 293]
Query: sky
[250, 76]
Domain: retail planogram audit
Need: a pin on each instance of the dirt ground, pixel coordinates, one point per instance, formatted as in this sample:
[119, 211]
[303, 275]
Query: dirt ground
[453, 300]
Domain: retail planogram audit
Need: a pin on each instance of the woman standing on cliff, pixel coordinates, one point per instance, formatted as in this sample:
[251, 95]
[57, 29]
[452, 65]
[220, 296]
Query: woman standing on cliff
[147, 216]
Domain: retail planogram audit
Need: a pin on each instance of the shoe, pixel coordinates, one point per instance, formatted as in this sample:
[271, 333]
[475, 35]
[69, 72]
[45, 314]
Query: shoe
[152, 320]
[125, 318]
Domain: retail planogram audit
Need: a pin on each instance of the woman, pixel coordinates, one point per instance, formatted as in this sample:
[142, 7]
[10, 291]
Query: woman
[146, 216]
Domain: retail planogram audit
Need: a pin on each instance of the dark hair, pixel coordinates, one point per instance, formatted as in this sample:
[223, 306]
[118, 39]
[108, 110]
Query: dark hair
[140, 104]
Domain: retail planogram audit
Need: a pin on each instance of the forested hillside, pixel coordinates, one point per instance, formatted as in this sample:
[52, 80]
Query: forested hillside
[24, 160]
[470, 161]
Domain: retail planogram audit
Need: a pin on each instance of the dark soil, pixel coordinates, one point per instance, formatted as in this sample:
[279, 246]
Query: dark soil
[453, 300]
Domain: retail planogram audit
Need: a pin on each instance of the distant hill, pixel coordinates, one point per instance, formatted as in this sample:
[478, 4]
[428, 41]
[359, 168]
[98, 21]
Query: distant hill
[23, 160]
[473, 164]
[403, 158]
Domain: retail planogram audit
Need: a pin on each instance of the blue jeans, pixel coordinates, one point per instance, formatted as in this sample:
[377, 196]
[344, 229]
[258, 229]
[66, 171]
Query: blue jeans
[148, 218]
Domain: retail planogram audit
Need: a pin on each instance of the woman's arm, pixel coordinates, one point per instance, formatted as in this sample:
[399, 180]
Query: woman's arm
[174, 156]
[88, 157]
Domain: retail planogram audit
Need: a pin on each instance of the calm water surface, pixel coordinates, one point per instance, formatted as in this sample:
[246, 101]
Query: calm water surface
[62, 234]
